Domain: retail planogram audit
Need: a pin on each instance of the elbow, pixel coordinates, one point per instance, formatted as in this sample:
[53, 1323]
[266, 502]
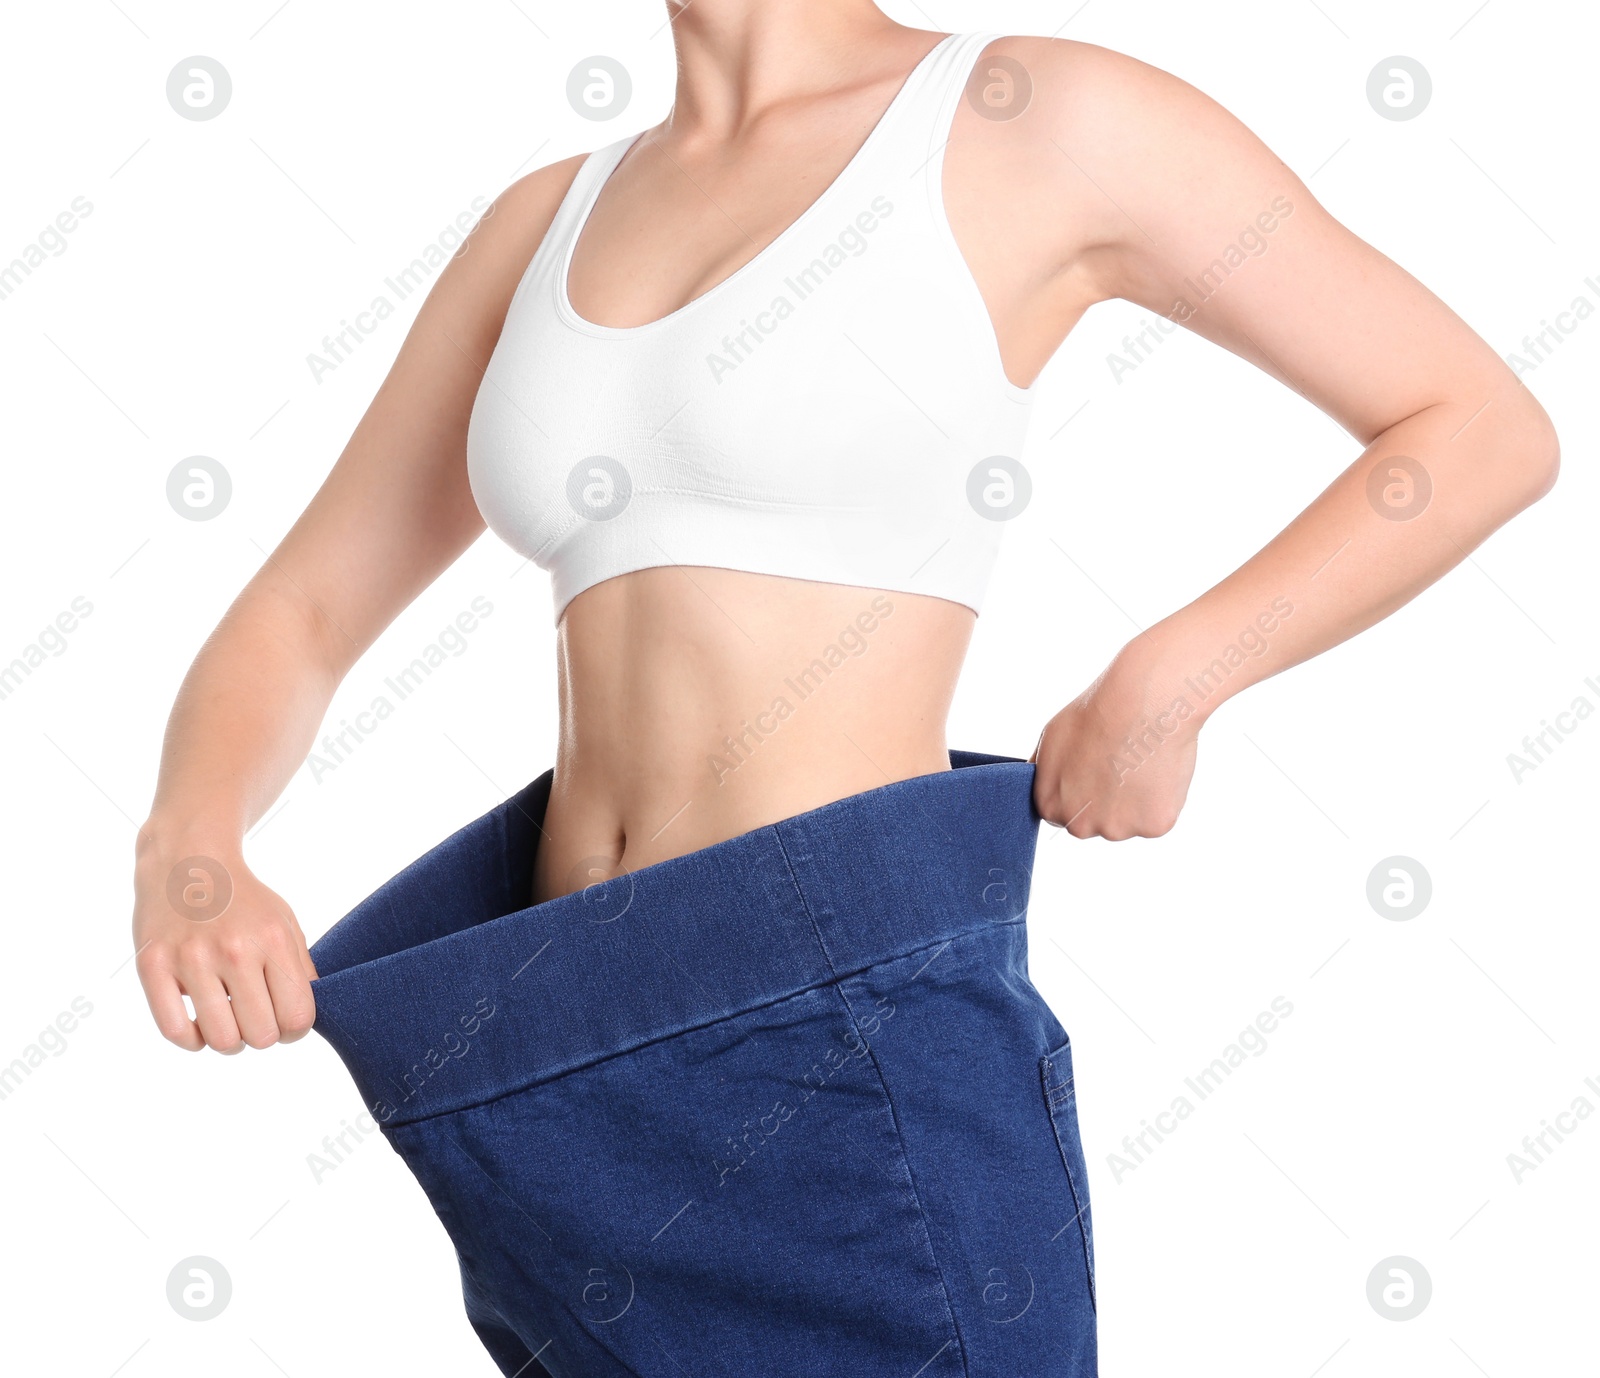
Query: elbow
[1529, 450]
[1542, 463]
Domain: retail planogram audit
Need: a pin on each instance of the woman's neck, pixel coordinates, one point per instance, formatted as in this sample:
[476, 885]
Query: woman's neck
[738, 59]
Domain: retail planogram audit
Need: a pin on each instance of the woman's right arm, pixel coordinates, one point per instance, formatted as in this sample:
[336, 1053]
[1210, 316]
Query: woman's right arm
[394, 512]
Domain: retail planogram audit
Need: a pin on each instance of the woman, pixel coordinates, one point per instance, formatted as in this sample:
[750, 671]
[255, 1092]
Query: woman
[715, 1048]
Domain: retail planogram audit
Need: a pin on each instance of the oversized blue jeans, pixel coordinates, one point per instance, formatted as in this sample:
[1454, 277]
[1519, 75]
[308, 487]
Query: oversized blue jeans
[785, 1106]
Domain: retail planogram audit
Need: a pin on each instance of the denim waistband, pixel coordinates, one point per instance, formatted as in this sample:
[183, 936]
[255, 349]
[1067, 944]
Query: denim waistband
[444, 989]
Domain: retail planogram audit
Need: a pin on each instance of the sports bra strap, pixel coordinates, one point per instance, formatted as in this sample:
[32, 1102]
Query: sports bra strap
[834, 410]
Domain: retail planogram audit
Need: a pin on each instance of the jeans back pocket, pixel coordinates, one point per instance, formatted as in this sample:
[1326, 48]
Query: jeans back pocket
[1055, 1076]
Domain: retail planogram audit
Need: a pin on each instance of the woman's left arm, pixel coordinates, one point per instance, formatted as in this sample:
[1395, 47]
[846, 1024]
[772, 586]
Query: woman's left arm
[1189, 214]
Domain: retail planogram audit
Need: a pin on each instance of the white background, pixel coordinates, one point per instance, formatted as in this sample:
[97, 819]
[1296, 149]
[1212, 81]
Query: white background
[1419, 1053]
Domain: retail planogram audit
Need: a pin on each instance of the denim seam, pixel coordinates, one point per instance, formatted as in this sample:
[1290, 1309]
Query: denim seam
[831, 980]
[1051, 1107]
[894, 1114]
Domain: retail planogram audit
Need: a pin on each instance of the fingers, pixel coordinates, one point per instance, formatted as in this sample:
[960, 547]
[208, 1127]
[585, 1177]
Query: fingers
[252, 1005]
[1116, 821]
[1087, 822]
[1087, 784]
[214, 1012]
[246, 971]
[294, 1009]
[245, 994]
[306, 963]
[166, 1007]
[269, 991]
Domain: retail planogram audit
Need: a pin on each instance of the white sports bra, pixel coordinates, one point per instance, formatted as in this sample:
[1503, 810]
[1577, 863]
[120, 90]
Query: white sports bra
[834, 410]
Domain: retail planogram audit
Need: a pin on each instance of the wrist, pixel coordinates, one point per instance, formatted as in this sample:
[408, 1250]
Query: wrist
[1156, 676]
[162, 837]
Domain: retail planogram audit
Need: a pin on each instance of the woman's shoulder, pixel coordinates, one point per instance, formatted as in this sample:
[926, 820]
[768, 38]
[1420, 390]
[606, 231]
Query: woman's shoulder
[1067, 85]
[1099, 146]
[528, 205]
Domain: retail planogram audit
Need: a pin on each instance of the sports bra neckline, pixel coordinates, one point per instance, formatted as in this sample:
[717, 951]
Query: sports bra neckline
[817, 415]
[611, 157]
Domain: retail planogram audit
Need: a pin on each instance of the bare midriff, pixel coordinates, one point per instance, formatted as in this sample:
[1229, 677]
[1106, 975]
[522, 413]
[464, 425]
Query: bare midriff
[698, 704]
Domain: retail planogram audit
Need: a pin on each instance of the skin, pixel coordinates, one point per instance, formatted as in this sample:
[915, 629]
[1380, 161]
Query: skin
[1117, 181]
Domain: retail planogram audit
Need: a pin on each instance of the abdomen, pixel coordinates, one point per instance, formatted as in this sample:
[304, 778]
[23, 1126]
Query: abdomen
[699, 703]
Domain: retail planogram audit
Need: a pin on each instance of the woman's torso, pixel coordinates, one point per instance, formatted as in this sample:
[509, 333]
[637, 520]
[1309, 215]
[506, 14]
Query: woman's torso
[697, 704]
[774, 609]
